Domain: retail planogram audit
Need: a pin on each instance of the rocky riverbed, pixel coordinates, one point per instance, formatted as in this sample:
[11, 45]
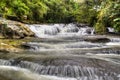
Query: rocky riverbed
[58, 52]
[12, 34]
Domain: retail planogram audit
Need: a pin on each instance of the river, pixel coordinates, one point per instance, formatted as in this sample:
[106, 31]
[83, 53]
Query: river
[65, 52]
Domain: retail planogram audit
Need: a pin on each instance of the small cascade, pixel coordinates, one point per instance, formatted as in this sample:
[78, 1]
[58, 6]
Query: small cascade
[15, 73]
[65, 52]
[110, 29]
[69, 28]
[76, 71]
[35, 46]
[41, 30]
[115, 40]
[75, 47]
[86, 31]
[5, 62]
[60, 30]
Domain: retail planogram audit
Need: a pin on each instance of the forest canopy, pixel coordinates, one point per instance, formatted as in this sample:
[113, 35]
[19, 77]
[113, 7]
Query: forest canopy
[97, 13]
[53, 11]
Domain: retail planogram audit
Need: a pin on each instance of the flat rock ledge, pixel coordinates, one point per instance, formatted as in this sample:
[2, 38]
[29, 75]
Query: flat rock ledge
[97, 39]
[14, 29]
[5, 48]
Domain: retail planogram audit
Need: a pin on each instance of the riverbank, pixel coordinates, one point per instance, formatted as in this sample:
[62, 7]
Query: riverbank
[63, 51]
[12, 34]
[15, 34]
[12, 45]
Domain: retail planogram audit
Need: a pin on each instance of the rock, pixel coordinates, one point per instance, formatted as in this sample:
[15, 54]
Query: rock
[25, 46]
[81, 25]
[14, 29]
[3, 51]
[89, 30]
[6, 48]
[96, 39]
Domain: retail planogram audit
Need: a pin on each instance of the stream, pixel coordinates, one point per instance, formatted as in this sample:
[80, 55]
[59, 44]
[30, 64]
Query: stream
[64, 52]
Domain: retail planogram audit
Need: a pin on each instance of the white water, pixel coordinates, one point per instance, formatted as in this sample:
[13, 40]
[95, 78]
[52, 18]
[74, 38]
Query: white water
[45, 31]
[65, 40]
[15, 73]
[61, 30]
[111, 29]
[69, 32]
[64, 72]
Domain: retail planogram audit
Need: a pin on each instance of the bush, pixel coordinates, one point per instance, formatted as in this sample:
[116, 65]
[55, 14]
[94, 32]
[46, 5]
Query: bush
[55, 11]
[109, 15]
[100, 28]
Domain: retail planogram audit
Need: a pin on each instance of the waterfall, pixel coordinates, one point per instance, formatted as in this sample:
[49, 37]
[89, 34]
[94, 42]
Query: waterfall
[76, 71]
[15, 73]
[115, 40]
[41, 30]
[62, 52]
[70, 28]
[36, 45]
[60, 30]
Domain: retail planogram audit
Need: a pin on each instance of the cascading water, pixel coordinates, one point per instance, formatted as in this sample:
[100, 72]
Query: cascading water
[59, 30]
[68, 68]
[111, 29]
[61, 52]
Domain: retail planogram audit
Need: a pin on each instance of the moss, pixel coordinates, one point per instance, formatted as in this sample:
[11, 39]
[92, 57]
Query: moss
[12, 45]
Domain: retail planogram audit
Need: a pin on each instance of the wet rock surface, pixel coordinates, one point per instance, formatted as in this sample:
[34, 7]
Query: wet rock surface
[69, 66]
[97, 39]
[14, 29]
[66, 51]
[6, 48]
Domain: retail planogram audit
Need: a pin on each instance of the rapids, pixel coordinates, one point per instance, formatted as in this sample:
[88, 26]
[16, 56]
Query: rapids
[60, 52]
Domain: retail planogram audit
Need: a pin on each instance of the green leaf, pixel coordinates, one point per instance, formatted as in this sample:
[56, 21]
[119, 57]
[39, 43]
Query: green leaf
[117, 19]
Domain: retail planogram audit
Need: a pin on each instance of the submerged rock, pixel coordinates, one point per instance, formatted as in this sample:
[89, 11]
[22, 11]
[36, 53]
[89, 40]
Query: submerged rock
[14, 29]
[96, 39]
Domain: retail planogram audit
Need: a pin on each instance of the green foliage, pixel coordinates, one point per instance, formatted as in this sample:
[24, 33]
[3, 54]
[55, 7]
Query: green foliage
[53, 11]
[61, 10]
[100, 28]
[101, 14]
[20, 9]
[86, 13]
[116, 16]
[109, 14]
[37, 11]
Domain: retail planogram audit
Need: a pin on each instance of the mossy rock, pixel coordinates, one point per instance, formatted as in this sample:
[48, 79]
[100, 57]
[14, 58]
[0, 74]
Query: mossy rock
[6, 48]
[14, 29]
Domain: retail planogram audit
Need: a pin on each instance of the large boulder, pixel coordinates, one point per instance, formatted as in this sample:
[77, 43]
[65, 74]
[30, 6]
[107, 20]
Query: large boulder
[14, 29]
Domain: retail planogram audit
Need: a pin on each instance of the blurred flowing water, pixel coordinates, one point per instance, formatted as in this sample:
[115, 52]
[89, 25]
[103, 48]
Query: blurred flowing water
[61, 52]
